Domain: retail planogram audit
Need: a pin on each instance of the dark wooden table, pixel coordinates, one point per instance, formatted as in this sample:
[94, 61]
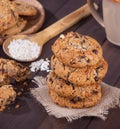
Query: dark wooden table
[32, 115]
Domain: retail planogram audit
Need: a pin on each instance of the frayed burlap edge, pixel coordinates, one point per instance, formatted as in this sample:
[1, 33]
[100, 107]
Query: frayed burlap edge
[110, 99]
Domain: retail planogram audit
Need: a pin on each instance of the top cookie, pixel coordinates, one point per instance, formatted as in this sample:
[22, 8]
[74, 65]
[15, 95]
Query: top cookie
[76, 50]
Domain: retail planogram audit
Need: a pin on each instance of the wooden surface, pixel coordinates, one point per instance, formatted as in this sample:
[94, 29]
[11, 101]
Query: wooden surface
[32, 115]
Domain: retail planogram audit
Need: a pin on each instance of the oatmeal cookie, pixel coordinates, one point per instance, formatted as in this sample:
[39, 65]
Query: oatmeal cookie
[8, 15]
[4, 78]
[69, 90]
[75, 103]
[14, 69]
[7, 96]
[80, 76]
[20, 25]
[77, 50]
[25, 9]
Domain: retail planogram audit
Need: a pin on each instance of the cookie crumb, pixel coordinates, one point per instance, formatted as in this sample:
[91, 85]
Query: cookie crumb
[17, 106]
[25, 84]
[62, 36]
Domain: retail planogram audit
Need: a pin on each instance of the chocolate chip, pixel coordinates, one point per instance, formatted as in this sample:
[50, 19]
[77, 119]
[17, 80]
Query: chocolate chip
[59, 78]
[95, 92]
[51, 80]
[95, 51]
[63, 66]
[67, 82]
[61, 86]
[73, 87]
[79, 99]
[83, 57]
[53, 57]
[85, 37]
[83, 41]
[80, 58]
[87, 79]
[100, 67]
[72, 62]
[96, 78]
[76, 36]
[76, 99]
[88, 60]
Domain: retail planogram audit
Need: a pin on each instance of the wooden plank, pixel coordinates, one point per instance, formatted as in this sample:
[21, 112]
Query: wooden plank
[111, 53]
[54, 123]
[28, 116]
[51, 7]
[112, 121]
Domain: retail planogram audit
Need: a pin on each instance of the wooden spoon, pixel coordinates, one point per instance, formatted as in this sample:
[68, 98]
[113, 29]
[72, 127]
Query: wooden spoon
[42, 37]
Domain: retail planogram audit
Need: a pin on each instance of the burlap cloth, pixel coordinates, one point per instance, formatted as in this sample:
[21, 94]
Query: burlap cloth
[110, 99]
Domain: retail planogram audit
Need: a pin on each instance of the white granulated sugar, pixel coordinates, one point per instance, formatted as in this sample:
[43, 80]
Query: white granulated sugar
[23, 49]
[42, 64]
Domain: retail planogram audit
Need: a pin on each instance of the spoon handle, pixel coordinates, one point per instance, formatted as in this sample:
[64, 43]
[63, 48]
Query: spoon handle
[63, 24]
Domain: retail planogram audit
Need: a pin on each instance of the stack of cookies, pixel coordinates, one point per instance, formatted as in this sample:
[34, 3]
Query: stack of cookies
[78, 68]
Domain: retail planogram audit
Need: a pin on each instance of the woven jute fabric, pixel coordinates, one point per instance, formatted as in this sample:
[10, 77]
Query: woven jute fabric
[110, 99]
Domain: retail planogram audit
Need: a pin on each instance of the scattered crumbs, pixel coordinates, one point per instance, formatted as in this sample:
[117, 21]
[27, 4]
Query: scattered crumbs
[42, 64]
[22, 90]
[17, 106]
[25, 84]
[19, 93]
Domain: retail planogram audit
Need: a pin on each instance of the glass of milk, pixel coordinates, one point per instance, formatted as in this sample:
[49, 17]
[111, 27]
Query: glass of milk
[111, 19]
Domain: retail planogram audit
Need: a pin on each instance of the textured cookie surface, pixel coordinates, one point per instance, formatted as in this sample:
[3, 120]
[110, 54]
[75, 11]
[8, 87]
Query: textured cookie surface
[4, 79]
[20, 25]
[8, 15]
[7, 95]
[13, 69]
[77, 50]
[80, 76]
[25, 9]
[75, 103]
[67, 89]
